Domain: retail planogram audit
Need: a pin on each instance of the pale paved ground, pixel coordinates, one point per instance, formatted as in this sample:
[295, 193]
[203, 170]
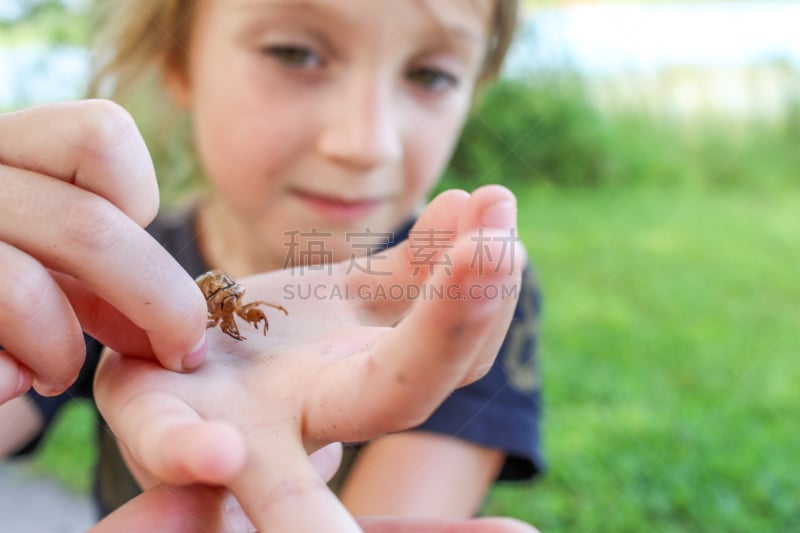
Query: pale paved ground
[32, 504]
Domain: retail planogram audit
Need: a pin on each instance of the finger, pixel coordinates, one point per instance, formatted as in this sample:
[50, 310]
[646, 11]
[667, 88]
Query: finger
[103, 321]
[93, 144]
[280, 490]
[463, 320]
[493, 207]
[172, 510]
[162, 433]
[327, 460]
[435, 525]
[489, 218]
[433, 350]
[37, 324]
[81, 234]
[490, 206]
[412, 260]
[15, 379]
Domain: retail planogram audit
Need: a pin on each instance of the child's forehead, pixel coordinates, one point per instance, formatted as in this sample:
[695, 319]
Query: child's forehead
[468, 18]
[476, 11]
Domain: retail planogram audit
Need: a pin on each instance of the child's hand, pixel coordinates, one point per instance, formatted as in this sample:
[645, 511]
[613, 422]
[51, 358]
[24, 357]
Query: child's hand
[76, 187]
[209, 510]
[339, 367]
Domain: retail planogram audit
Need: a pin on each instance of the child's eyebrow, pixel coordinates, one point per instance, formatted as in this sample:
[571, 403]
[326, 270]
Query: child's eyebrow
[461, 33]
[458, 31]
[466, 39]
[453, 30]
[253, 12]
[288, 5]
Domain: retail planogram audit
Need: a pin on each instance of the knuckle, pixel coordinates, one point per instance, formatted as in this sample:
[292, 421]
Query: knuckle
[31, 299]
[93, 225]
[103, 125]
[109, 136]
[24, 292]
[292, 490]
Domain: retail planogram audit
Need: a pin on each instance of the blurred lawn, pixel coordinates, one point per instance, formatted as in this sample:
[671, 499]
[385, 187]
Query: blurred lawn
[670, 361]
[69, 449]
[669, 353]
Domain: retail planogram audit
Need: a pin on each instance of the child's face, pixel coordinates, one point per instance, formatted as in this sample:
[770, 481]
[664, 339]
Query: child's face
[334, 115]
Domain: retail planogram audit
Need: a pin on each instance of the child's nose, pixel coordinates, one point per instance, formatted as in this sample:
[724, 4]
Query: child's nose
[362, 130]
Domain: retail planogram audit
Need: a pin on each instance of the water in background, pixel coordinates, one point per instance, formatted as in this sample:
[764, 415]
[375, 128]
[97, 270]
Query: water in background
[614, 39]
[681, 59]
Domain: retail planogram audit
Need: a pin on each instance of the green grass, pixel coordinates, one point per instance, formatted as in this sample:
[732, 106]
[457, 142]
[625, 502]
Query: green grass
[69, 450]
[669, 354]
[670, 361]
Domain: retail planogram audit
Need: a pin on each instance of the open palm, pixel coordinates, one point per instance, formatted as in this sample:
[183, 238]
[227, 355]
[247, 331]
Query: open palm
[361, 353]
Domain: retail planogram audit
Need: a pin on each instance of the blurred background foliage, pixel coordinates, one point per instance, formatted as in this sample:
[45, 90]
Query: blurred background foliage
[665, 232]
[547, 129]
[49, 21]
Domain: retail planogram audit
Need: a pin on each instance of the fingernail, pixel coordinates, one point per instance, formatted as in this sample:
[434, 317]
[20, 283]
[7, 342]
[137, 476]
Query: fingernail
[50, 391]
[500, 214]
[196, 356]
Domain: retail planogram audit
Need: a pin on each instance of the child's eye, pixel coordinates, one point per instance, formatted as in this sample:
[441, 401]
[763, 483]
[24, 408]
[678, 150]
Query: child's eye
[432, 79]
[294, 56]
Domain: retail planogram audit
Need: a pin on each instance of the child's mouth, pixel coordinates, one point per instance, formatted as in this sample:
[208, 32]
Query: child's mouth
[336, 208]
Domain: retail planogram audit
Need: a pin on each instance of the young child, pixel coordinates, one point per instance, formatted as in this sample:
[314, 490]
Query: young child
[323, 126]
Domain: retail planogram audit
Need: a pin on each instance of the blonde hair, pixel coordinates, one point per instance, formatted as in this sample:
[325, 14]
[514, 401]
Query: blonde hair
[504, 23]
[141, 38]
